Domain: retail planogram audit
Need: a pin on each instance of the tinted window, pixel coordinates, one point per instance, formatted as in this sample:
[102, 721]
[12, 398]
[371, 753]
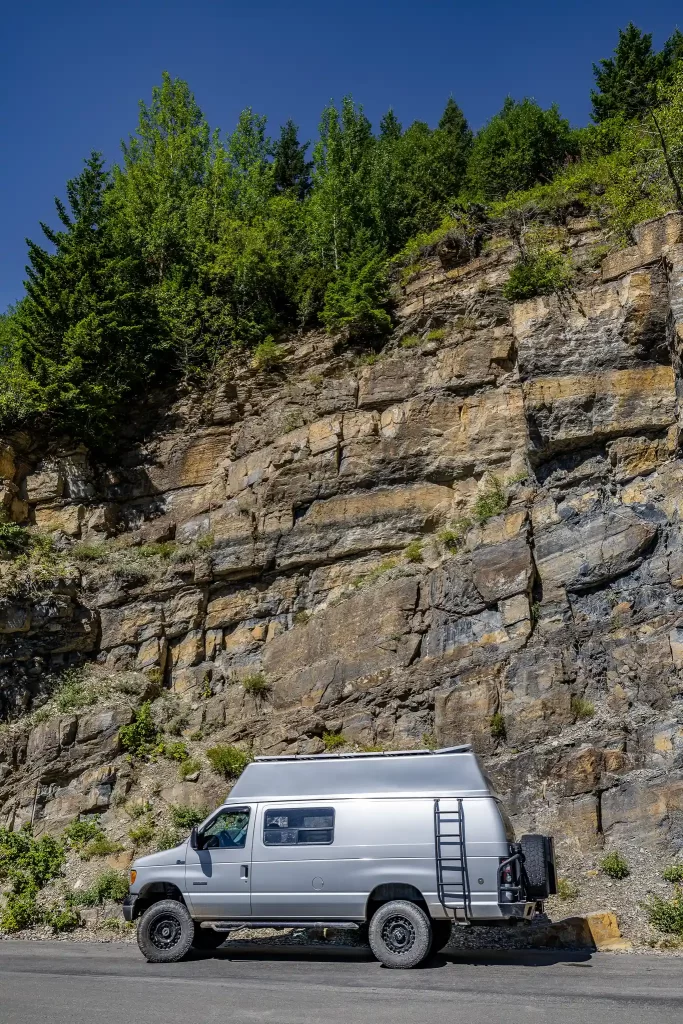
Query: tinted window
[227, 831]
[298, 826]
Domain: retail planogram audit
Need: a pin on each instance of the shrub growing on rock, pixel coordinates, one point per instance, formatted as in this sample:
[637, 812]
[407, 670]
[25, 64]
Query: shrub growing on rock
[186, 817]
[673, 873]
[666, 915]
[110, 885]
[541, 273]
[614, 865]
[81, 832]
[141, 736]
[333, 740]
[227, 761]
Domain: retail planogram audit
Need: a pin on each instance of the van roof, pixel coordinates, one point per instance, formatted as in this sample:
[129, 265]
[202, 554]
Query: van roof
[452, 771]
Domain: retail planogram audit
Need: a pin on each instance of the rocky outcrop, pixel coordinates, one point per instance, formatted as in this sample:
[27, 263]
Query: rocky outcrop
[532, 451]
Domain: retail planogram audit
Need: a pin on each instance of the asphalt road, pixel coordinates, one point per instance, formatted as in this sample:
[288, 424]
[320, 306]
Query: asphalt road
[93, 983]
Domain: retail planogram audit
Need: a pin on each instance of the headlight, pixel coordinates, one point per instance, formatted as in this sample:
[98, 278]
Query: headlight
[133, 876]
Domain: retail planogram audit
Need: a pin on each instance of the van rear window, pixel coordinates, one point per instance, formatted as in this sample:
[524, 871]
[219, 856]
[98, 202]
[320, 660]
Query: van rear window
[298, 826]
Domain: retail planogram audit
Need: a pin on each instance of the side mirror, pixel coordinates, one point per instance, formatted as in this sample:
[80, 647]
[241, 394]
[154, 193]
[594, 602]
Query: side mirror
[194, 839]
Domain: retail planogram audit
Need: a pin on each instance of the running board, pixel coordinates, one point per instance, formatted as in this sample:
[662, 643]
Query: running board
[228, 926]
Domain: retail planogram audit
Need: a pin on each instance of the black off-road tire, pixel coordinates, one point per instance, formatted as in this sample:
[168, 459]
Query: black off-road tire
[535, 852]
[207, 938]
[441, 934]
[165, 932]
[400, 934]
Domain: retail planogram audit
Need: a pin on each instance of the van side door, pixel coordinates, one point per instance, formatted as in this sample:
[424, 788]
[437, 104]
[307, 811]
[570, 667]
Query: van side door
[218, 875]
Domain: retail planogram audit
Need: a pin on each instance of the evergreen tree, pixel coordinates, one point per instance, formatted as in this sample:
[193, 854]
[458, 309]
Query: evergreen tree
[291, 169]
[520, 146]
[86, 334]
[390, 129]
[670, 55]
[624, 82]
[355, 300]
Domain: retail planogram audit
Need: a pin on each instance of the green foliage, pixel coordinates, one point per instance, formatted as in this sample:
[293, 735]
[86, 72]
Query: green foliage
[167, 838]
[567, 889]
[538, 273]
[581, 708]
[100, 847]
[61, 919]
[410, 341]
[189, 767]
[614, 865]
[333, 740]
[141, 736]
[413, 552]
[110, 885]
[176, 751]
[428, 740]
[227, 761]
[491, 502]
[185, 817]
[14, 539]
[136, 808]
[142, 833]
[27, 864]
[256, 684]
[673, 873]
[161, 549]
[74, 691]
[497, 726]
[81, 832]
[666, 915]
[520, 146]
[355, 300]
[453, 537]
[627, 83]
[437, 334]
[267, 355]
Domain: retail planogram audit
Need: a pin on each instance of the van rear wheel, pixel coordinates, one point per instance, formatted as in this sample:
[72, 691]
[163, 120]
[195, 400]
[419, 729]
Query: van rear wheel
[400, 934]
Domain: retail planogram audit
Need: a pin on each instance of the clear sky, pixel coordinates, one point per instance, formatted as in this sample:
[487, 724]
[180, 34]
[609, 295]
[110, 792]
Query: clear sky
[71, 73]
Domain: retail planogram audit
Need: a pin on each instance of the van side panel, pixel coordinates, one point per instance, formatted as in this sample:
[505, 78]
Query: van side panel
[376, 841]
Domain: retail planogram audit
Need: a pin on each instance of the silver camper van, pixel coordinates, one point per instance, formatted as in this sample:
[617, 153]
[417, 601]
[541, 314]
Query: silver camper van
[400, 845]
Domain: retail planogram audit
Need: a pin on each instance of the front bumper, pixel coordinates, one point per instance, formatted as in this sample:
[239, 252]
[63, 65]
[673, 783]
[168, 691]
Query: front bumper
[129, 908]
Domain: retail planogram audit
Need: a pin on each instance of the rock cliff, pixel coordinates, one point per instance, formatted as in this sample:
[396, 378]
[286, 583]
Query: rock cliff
[471, 536]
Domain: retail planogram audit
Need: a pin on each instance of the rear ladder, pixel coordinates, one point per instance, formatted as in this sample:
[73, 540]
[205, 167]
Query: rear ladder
[452, 881]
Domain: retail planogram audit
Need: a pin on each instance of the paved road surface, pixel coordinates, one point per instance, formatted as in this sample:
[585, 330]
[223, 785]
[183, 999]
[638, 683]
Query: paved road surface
[92, 983]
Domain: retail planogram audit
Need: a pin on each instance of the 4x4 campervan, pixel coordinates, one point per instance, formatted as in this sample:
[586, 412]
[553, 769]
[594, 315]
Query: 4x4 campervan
[403, 844]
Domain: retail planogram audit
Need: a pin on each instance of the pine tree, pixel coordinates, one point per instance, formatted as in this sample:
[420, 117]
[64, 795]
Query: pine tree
[390, 127]
[624, 82]
[86, 333]
[291, 169]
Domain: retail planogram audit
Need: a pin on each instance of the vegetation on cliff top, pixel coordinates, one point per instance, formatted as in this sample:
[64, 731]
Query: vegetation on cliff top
[197, 246]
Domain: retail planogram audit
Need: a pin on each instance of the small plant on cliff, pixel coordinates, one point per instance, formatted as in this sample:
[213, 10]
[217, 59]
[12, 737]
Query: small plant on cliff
[14, 539]
[566, 889]
[82, 831]
[227, 761]
[101, 847]
[268, 355]
[414, 551]
[185, 817]
[110, 885]
[176, 751]
[141, 736]
[256, 684]
[542, 272]
[437, 334]
[497, 726]
[491, 502]
[142, 833]
[167, 838]
[73, 691]
[452, 538]
[666, 915]
[673, 873]
[333, 740]
[614, 866]
[581, 708]
[189, 767]
[410, 341]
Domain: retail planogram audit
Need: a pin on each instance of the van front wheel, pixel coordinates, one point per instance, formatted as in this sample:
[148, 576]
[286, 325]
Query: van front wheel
[165, 932]
[400, 934]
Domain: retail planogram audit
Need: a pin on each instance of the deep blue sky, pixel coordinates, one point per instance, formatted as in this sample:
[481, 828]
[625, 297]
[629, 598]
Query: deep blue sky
[71, 73]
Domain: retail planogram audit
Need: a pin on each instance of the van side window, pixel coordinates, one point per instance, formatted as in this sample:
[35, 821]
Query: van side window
[298, 826]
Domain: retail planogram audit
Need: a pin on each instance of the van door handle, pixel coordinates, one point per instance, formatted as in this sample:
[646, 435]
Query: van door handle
[244, 871]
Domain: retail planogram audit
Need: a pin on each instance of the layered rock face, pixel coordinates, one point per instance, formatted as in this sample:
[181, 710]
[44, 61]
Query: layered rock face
[533, 452]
